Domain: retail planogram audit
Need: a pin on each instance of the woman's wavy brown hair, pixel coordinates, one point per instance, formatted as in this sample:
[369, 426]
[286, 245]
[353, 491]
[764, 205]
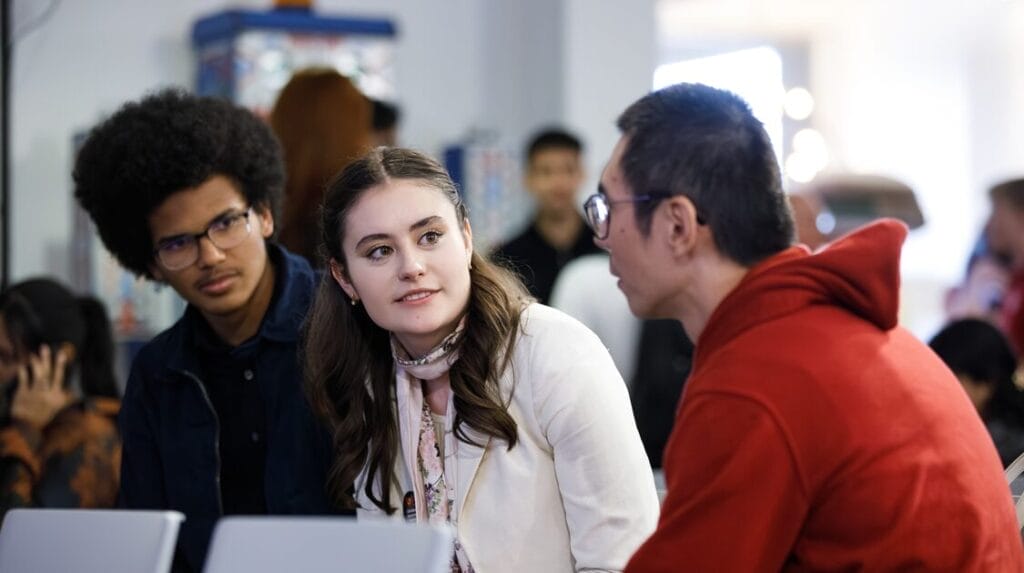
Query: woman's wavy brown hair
[350, 374]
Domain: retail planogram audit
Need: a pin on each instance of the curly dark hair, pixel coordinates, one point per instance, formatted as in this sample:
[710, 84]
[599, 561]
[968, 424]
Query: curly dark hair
[168, 142]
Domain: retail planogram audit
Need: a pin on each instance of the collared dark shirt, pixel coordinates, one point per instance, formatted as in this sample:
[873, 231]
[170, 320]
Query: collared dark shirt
[538, 263]
[229, 376]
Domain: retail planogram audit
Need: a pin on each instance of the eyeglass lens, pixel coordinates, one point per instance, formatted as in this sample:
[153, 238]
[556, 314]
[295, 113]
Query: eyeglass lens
[596, 210]
[225, 234]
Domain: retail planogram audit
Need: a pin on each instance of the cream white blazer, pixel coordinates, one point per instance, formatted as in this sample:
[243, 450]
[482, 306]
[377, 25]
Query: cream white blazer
[576, 493]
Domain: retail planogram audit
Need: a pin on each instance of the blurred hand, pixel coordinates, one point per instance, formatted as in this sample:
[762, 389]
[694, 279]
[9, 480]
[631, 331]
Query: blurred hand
[40, 394]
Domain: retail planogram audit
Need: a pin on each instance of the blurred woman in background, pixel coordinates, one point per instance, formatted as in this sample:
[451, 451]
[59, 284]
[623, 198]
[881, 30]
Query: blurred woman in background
[59, 445]
[323, 122]
[980, 356]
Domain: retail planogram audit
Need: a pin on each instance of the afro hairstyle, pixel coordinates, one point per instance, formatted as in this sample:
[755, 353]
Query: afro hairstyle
[168, 142]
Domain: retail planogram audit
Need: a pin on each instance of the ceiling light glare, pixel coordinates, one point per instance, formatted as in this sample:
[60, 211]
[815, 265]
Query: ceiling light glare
[798, 104]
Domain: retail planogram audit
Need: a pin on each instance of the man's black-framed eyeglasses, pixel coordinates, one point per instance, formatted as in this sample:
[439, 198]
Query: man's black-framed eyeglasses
[598, 209]
[225, 232]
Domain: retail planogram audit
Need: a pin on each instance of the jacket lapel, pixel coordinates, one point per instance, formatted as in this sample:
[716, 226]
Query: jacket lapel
[467, 459]
[410, 406]
[469, 456]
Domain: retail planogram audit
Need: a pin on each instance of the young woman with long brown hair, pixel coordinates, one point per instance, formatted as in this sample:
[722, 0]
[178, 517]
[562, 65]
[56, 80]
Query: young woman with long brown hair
[453, 398]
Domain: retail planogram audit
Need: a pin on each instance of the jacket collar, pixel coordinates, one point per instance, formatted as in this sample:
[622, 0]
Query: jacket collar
[294, 283]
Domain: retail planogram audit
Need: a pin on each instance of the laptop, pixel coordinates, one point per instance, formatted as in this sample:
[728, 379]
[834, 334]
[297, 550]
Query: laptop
[327, 544]
[88, 540]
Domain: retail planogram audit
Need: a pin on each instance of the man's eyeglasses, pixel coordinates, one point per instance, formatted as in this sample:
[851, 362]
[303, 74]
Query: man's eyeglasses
[598, 210]
[226, 232]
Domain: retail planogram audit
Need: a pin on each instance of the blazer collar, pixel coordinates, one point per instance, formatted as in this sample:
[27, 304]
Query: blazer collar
[469, 456]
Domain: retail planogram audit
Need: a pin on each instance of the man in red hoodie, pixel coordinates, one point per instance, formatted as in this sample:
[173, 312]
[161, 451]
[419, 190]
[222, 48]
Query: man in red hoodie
[814, 434]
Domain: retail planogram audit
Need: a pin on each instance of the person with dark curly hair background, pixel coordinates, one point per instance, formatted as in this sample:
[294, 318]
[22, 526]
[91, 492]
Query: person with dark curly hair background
[185, 191]
[59, 445]
[981, 357]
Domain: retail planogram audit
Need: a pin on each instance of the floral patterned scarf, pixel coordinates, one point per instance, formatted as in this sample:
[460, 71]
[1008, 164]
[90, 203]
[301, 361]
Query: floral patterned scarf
[440, 497]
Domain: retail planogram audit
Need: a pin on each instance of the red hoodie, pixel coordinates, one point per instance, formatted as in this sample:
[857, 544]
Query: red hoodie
[816, 435]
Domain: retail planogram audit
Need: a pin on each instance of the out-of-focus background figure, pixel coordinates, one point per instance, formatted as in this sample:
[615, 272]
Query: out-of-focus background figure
[323, 122]
[386, 117]
[59, 444]
[1004, 234]
[557, 233]
[807, 209]
[983, 288]
[979, 355]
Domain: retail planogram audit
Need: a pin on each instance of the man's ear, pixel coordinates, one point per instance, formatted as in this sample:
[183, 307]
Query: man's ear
[682, 228]
[266, 220]
[338, 274]
[158, 275]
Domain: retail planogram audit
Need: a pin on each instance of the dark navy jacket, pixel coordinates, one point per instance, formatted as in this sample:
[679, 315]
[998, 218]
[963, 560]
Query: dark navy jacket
[170, 429]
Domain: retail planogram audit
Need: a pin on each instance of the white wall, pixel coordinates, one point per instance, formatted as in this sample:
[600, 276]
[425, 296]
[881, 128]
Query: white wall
[521, 46]
[609, 51]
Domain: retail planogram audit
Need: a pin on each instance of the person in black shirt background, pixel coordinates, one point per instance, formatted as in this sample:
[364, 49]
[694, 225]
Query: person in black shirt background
[557, 233]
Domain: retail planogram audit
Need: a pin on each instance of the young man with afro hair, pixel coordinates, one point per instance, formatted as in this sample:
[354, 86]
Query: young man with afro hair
[184, 190]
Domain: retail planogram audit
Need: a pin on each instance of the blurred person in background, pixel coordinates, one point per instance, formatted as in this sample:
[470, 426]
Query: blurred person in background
[806, 207]
[59, 445]
[984, 286]
[385, 123]
[557, 233]
[1004, 233]
[979, 355]
[322, 122]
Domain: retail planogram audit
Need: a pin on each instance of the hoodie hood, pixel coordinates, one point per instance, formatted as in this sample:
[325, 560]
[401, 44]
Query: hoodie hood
[859, 272]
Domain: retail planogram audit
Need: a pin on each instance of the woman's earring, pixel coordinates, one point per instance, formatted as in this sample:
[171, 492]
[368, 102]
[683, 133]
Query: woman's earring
[354, 301]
